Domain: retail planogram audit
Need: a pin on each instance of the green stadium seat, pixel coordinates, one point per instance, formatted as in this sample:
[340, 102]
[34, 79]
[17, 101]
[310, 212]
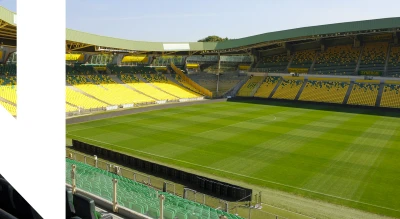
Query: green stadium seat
[136, 196]
[154, 212]
[169, 213]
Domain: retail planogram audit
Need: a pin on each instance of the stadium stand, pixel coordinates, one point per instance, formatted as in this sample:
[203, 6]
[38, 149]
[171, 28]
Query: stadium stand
[136, 196]
[374, 56]
[107, 90]
[289, 88]
[337, 60]
[13, 205]
[80, 70]
[95, 92]
[274, 63]
[267, 86]
[247, 89]
[391, 95]
[168, 86]
[114, 69]
[8, 69]
[393, 68]
[225, 83]
[8, 88]
[227, 64]
[146, 88]
[166, 60]
[202, 59]
[328, 90]
[223, 67]
[81, 100]
[364, 92]
[182, 78]
[184, 83]
[206, 80]
[303, 59]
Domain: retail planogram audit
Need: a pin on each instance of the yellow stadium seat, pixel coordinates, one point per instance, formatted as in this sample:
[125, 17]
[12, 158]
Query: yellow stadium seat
[364, 93]
[146, 88]
[391, 96]
[289, 88]
[107, 90]
[248, 87]
[8, 88]
[81, 100]
[267, 87]
[325, 90]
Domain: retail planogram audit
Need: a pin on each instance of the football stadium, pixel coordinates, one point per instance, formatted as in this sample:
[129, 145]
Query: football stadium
[299, 123]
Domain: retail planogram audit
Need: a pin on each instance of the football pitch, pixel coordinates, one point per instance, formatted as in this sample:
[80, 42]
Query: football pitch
[340, 155]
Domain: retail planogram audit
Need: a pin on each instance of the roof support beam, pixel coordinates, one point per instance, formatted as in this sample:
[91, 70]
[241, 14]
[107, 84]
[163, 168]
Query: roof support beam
[2, 24]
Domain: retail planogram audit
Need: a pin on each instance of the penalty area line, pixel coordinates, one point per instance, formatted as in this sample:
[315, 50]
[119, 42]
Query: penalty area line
[238, 174]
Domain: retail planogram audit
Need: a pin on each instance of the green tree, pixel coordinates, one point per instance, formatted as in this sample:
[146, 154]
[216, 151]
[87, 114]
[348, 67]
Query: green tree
[213, 39]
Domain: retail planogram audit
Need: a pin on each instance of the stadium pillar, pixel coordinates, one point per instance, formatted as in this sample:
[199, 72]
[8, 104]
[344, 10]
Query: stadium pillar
[162, 198]
[115, 203]
[73, 178]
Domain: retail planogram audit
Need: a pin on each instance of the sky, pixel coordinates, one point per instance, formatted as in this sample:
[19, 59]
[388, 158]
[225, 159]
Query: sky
[191, 20]
[9, 4]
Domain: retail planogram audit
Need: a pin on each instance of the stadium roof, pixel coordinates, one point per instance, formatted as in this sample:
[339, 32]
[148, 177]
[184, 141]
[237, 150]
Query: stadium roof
[8, 29]
[313, 32]
[81, 41]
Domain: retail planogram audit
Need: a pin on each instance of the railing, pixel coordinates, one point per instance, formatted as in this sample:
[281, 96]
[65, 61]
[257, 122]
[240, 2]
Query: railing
[185, 78]
[245, 209]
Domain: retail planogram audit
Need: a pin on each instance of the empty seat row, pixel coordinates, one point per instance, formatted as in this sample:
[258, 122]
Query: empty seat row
[364, 93]
[137, 196]
[267, 86]
[288, 89]
[326, 91]
[247, 89]
[391, 96]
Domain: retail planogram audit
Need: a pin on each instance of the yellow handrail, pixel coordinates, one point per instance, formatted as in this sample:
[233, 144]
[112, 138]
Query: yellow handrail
[196, 86]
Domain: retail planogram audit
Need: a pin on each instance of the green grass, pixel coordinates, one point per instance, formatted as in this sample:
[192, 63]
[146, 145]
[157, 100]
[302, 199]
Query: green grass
[344, 156]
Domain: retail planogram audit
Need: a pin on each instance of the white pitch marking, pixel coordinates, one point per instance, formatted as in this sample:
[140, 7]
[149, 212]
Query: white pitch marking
[250, 177]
